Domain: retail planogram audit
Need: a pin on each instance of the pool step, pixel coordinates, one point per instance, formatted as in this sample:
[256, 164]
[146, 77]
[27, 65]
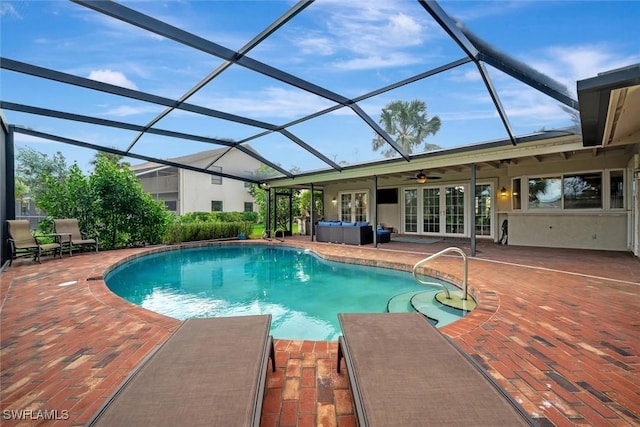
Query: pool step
[423, 302]
[401, 303]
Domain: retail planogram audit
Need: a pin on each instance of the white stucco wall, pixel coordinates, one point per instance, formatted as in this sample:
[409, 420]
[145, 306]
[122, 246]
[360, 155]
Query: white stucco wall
[602, 229]
[576, 230]
[197, 191]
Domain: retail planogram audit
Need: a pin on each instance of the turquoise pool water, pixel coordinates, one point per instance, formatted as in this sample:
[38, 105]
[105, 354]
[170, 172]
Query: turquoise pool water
[301, 291]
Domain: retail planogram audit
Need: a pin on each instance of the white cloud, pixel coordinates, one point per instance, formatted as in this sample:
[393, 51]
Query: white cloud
[465, 76]
[568, 64]
[393, 59]
[112, 77]
[363, 35]
[7, 9]
[270, 102]
[128, 110]
[316, 45]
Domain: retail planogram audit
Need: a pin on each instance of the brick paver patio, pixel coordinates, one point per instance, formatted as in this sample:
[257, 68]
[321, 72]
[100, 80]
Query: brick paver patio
[558, 329]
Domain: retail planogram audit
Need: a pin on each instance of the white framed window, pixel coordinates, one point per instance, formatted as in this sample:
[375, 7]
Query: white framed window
[216, 179]
[590, 190]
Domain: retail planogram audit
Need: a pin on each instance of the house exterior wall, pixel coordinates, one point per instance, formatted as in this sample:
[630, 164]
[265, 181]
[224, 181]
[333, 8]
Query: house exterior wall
[197, 193]
[602, 229]
[186, 191]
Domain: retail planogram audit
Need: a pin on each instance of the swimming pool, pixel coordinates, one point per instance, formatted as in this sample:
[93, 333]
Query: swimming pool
[301, 291]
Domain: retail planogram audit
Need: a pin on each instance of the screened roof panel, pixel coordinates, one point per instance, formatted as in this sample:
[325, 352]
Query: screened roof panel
[458, 98]
[243, 92]
[280, 76]
[207, 126]
[528, 110]
[150, 145]
[232, 23]
[75, 40]
[285, 153]
[346, 139]
[334, 44]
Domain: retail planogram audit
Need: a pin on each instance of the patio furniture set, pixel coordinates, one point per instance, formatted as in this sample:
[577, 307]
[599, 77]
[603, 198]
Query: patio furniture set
[66, 236]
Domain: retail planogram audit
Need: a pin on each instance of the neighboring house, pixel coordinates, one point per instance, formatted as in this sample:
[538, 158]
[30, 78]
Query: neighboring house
[185, 191]
[26, 209]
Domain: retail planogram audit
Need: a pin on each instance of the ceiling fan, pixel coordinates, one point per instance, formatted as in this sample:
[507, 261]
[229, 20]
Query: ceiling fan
[421, 177]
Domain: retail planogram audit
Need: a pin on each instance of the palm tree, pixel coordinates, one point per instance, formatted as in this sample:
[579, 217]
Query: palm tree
[407, 122]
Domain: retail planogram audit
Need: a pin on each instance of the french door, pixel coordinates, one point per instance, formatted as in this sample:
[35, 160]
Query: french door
[435, 210]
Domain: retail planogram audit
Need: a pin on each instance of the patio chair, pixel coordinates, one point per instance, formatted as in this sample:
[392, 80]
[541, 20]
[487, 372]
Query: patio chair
[23, 242]
[404, 372]
[70, 234]
[210, 372]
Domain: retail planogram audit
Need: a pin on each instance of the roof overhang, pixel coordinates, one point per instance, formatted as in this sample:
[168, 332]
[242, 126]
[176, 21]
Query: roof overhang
[610, 107]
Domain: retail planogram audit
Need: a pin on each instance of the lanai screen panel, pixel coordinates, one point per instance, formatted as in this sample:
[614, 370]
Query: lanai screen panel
[286, 153]
[353, 48]
[252, 95]
[288, 90]
[530, 111]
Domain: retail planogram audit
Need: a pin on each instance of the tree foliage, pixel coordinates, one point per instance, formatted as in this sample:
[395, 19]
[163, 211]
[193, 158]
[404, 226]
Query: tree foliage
[127, 214]
[408, 123]
[109, 203]
[32, 165]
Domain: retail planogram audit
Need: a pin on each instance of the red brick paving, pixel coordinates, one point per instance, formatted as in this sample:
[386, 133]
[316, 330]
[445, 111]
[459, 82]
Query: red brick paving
[558, 329]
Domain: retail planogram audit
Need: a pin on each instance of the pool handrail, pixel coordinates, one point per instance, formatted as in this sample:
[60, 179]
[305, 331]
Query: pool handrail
[436, 255]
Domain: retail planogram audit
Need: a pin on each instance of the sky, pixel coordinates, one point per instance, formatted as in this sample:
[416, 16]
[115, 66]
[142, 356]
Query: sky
[351, 48]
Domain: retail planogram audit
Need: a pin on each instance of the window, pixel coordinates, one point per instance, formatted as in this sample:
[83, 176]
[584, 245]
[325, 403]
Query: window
[248, 206]
[515, 193]
[216, 179]
[216, 206]
[583, 191]
[545, 193]
[172, 205]
[483, 210]
[616, 189]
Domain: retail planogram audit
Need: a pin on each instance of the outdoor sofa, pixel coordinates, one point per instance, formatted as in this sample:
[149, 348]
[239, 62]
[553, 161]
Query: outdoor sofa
[350, 233]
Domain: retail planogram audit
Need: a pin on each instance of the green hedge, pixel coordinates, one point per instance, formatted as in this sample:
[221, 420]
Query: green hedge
[194, 231]
[218, 217]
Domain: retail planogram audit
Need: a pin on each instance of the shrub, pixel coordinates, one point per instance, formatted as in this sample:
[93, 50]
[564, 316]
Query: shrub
[195, 231]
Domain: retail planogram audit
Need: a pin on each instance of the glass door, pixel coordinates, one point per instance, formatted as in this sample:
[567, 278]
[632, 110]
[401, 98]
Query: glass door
[411, 211]
[454, 216]
[354, 206]
[431, 210]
